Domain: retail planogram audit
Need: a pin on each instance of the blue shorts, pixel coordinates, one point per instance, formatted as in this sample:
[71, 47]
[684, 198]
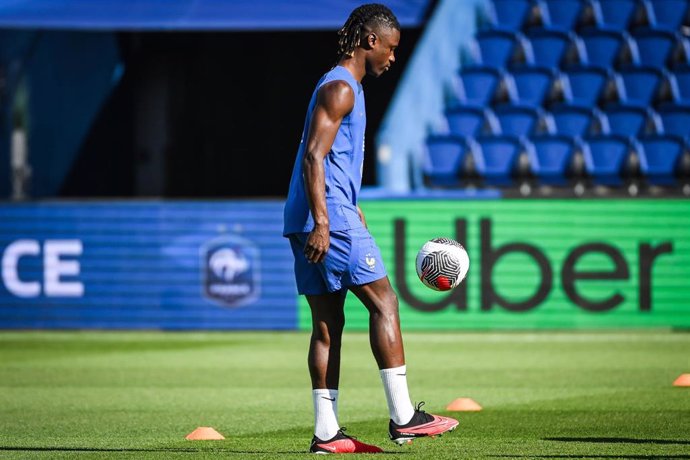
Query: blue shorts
[352, 259]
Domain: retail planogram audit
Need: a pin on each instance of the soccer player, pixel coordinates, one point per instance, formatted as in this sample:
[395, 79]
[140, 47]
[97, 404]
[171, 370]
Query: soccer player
[333, 249]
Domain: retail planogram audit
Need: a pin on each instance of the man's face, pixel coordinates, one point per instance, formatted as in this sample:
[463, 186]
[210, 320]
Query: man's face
[381, 56]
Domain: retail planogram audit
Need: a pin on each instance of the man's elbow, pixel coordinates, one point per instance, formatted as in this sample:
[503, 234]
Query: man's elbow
[311, 159]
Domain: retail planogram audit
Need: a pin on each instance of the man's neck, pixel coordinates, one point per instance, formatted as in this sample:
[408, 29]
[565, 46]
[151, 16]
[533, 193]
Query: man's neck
[355, 65]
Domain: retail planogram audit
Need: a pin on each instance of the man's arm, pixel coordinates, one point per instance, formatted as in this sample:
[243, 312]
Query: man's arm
[334, 101]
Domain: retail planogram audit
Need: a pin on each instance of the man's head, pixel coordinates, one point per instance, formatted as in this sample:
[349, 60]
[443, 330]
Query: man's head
[375, 30]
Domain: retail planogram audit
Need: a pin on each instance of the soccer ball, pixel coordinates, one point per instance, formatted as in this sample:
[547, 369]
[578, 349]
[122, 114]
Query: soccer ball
[442, 264]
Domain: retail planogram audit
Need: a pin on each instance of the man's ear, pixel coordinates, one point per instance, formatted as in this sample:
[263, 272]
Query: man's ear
[372, 38]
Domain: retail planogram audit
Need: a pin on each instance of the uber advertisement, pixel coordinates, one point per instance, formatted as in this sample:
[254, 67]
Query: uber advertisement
[538, 263]
[139, 265]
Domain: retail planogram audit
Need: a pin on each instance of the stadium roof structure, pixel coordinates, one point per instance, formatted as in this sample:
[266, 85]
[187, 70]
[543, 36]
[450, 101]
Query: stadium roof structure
[192, 15]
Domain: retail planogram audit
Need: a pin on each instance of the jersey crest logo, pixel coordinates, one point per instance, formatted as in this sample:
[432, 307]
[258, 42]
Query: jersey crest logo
[371, 261]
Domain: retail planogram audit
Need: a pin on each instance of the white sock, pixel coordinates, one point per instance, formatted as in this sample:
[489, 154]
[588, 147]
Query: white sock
[395, 387]
[325, 413]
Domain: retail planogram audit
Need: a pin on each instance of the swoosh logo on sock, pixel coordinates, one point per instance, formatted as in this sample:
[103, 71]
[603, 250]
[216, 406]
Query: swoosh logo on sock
[330, 399]
[402, 375]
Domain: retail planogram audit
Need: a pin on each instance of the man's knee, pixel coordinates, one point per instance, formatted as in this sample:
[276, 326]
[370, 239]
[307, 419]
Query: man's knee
[386, 304]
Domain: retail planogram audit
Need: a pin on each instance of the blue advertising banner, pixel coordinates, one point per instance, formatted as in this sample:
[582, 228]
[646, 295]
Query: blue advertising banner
[146, 265]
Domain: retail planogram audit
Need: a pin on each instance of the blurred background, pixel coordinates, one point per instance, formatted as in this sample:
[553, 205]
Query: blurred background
[146, 148]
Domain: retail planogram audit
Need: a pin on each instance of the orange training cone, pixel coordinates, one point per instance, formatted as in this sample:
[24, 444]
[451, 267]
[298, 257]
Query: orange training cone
[204, 433]
[682, 381]
[464, 405]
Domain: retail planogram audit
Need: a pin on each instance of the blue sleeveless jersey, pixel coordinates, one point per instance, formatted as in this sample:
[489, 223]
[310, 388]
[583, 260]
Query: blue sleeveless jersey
[342, 167]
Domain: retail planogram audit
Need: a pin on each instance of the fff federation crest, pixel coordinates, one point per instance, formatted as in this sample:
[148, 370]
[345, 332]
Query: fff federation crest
[231, 274]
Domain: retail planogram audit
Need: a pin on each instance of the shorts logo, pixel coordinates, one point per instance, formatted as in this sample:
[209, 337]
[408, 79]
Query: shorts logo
[230, 269]
[371, 262]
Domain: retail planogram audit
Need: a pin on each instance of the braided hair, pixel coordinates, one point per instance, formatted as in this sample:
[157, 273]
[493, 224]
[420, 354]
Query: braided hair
[370, 15]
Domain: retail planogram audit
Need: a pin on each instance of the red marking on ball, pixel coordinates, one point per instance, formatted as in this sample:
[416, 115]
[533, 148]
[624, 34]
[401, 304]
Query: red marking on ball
[442, 283]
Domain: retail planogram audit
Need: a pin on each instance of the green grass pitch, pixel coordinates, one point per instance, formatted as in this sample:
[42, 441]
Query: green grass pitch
[545, 395]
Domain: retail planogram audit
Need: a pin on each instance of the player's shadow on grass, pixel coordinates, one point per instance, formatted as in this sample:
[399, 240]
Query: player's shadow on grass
[621, 440]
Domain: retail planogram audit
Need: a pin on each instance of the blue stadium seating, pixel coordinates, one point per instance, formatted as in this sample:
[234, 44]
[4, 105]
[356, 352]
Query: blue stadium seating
[604, 48]
[659, 156]
[668, 14]
[477, 86]
[517, 120]
[614, 14]
[607, 77]
[509, 14]
[496, 157]
[548, 46]
[605, 157]
[578, 120]
[471, 121]
[550, 158]
[676, 120]
[583, 85]
[443, 157]
[533, 84]
[496, 48]
[564, 14]
[680, 84]
[632, 121]
[640, 85]
[654, 46]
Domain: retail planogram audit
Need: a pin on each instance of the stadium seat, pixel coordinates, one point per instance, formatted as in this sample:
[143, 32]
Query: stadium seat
[518, 120]
[509, 14]
[640, 85]
[659, 157]
[476, 86]
[615, 14]
[549, 47]
[564, 14]
[583, 86]
[654, 46]
[605, 157]
[680, 85]
[578, 121]
[497, 48]
[676, 120]
[443, 157]
[680, 53]
[496, 157]
[550, 158]
[533, 84]
[471, 121]
[632, 121]
[668, 14]
[606, 48]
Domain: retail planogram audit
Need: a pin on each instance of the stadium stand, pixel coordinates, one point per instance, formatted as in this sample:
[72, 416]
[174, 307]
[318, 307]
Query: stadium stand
[675, 120]
[443, 158]
[496, 158]
[667, 14]
[602, 82]
[470, 122]
[659, 157]
[515, 120]
[551, 158]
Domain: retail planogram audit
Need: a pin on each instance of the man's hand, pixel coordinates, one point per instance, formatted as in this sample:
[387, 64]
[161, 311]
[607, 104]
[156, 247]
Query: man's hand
[318, 242]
